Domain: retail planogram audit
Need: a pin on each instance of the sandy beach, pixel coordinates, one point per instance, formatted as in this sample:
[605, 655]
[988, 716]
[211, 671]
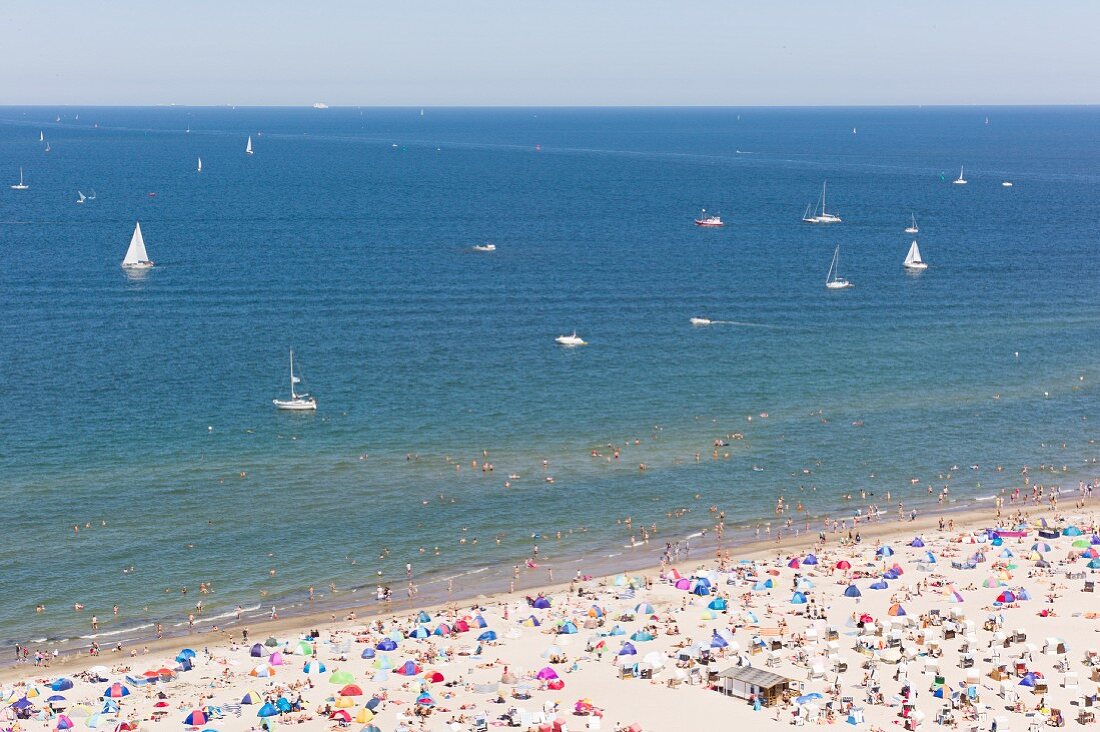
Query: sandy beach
[908, 626]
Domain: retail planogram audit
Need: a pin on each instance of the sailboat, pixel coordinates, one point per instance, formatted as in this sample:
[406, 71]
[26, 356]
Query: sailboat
[47, 146]
[20, 186]
[297, 402]
[41, 136]
[82, 198]
[570, 341]
[92, 197]
[960, 181]
[912, 228]
[913, 260]
[248, 147]
[833, 280]
[813, 217]
[200, 165]
[136, 256]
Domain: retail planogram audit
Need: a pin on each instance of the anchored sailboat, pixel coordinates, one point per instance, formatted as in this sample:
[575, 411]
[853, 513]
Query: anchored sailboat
[297, 402]
[960, 181]
[20, 186]
[248, 147]
[833, 280]
[136, 256]
[813, 217]
[913, 260]
[912, 228]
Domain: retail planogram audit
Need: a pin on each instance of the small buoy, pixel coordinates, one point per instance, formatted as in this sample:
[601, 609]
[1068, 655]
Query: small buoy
[210, 428]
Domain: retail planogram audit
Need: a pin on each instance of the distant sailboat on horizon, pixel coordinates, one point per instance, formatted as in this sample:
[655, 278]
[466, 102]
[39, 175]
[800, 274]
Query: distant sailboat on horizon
[136, 256]
[248, 146]
[82, 198]
[960, 181]
[200, 165]
[41, 136]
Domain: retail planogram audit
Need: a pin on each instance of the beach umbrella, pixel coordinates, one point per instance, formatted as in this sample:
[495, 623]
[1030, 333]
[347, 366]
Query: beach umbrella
[116, 691]
[386, 644]
[314, 667]
[267, 710]
[425, 700]
[62, 684]
[252, 697]
[21, 703]
[880, 585]
[1040, 546]
[843, 564]
[341, 677]
[56, 700]
[368, 652]
[896, 611]
[351, 690]
[195, 719]
[63, 722]
[409, 668]
[852, 591]
[643, 608]
[488, 635]
[262, 671]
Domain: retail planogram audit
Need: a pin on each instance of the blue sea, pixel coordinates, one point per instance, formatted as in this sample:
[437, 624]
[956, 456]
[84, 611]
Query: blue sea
[139, 408]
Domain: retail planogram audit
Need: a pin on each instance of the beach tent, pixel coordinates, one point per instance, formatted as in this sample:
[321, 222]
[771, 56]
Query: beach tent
[641, 635]
[63, 722]
[351, 690]
[419, 632]
[542, 603]
[368, 652]
[442, 630]
[1022, 594]
[252, 698]
[383, 663]
[1006, 553]
[262, 671]
[917, 542]
[798, 599]
[425, 700]
[267, 710]
[616, 630]
[880, 585]
[1040, 546]
[546, 673]
[116, 691]
[852, 591]
[409, 668]
[423, 617]
[341, 677]
[804, 584]
[186, 653]
[275, 659]
[890, 574]
[929, 558]
[480, 622]
[793, 564]
[460, 626]
[259, 650]
[386, 644]
[488, 635]
[1006, 596]
[717, 603]
[530, 621]
[843, 564]
[1071, 531]
[1093, 564]
[717, 641]
[364, 715]
[760, 586]
[568, 628]
[810, 560]
[884, 551]
[195, 719]
[627, 649]
[643, 608]
[896, 611]
[61, 684]
[314, 667]
[708, 615]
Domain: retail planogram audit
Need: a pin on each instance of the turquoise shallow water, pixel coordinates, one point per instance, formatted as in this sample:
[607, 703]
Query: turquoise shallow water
[140, 402]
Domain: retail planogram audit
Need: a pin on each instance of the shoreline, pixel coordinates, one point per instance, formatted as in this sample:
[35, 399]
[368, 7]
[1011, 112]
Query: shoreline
[966, 519]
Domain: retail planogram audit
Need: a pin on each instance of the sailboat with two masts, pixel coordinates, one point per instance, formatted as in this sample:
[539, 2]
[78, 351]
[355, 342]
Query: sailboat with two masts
[833, 280]
[823, 217]
[297, 402]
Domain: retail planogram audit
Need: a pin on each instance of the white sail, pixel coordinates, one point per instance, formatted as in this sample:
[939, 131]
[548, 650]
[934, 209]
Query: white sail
[82, 197]
[248, 147]
[200, 165]
[41, 136]
[913, 257]
[136, 254]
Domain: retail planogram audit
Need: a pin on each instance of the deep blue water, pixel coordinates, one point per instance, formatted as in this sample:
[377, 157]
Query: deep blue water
[140, 401]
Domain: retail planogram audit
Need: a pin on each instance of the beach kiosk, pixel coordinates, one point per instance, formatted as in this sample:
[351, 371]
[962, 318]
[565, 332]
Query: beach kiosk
[744, 681]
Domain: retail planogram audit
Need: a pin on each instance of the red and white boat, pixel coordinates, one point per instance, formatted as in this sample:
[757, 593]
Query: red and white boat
[712, 221]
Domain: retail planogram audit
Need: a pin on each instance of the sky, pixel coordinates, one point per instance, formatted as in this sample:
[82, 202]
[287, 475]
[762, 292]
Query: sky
[549, 52]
